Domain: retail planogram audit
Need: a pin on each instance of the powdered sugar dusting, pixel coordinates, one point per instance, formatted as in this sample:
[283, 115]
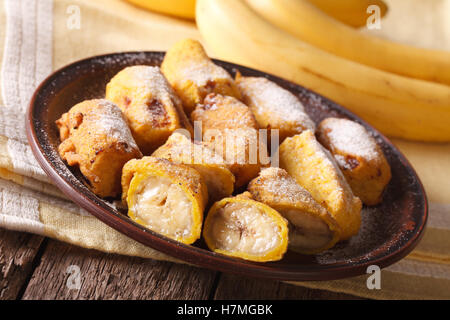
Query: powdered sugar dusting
[267, 98]
[202, 72]
[280, 183]
[220, 112]
[109, 117]
[349, 137]
[342, 162]
[150, 79]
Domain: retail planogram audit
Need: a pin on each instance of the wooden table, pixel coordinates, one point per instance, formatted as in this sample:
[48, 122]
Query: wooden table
[34, 267]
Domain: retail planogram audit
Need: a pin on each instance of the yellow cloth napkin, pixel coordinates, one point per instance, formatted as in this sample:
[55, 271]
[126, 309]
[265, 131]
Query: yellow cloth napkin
[38, 36]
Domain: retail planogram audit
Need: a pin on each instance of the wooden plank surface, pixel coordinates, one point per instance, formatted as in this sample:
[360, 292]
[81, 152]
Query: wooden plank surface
[235, 287]
[107, 276]
[33, 267]
[18, 251]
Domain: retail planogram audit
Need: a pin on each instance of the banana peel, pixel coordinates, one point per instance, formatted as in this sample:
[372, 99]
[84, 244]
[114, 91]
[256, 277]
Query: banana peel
[351, 12]
[398, 106]
[178, 8]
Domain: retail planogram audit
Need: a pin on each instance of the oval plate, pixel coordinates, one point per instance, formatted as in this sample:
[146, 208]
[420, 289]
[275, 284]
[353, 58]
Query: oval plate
[389, 231]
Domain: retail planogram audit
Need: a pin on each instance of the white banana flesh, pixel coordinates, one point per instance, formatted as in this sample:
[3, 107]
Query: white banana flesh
[239, 227]
[164, 207]
[306, 232]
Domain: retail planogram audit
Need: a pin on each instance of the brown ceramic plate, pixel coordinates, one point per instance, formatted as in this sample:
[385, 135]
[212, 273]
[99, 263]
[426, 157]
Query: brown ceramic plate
[389, 231]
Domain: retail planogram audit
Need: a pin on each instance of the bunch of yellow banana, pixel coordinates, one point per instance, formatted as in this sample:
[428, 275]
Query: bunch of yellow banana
[179, 8]
[351, 12]
[306, 22]
[399, 106]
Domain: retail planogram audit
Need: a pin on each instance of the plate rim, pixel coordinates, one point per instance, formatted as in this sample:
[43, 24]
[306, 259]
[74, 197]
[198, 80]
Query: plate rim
[203, 257]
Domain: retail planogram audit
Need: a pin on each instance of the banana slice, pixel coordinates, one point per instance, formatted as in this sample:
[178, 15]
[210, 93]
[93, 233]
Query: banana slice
[165, 197]
[193, 75]
[358, 155]
[274, 107]
[218, 178]
[311, 228]
[230, 129]
[314, 168]
[150, 105]
[244, 228]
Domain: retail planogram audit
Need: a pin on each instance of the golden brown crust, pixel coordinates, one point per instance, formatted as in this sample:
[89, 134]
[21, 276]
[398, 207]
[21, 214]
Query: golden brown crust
[96, 138]
[275, 187]
[193, 75]
[218, 178]
[314, 169]
[230, 129]
[149, 103]
[274, 107]
[358, 155]
[223, 112]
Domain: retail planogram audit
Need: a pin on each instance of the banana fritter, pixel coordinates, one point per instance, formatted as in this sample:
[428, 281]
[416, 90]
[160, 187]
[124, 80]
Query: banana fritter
[150, 105]
[247, 229]
[314, 168]
[358, 155]
[193, 75]
[165, 197]
[95, 137]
